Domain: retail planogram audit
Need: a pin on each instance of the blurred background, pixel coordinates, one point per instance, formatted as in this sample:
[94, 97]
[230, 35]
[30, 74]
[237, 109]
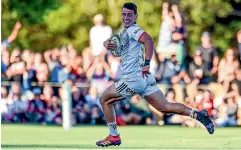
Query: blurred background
[47, 43]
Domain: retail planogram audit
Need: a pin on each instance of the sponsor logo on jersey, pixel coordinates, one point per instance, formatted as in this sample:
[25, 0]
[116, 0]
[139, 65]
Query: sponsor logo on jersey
[136, 31]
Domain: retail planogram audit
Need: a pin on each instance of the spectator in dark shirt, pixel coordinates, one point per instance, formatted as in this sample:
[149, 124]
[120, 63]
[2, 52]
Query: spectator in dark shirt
[198, 72]
[209, 53]
[172, 72]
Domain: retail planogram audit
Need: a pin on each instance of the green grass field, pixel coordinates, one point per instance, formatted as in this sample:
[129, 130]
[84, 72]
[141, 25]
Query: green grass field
[36, 137]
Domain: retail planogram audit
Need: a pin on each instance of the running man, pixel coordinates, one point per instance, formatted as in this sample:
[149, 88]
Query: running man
[135, 78]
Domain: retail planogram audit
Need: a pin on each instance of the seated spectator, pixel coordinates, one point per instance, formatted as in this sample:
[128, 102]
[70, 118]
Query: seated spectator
[98, 74]
[169, 118]
[130, 113]
[228, 69]
[172, 72]
[128, 117]
[37, 107]
[53, 112]
[14, 90]
[4, 103]
[97, 116]
[227, 113]
[76, 69]
[48, 93]
[92, 98]
[198, 72]
[206, 102]
[17, 109]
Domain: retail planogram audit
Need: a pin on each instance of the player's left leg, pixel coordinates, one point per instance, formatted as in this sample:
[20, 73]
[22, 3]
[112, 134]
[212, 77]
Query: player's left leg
[158, 100]
[107, 99]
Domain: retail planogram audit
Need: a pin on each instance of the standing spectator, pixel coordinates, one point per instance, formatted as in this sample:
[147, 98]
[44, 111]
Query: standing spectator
[52, 58]
[178, 34]
[98, 34]
[17, 66]
[166, 29]
[29, 74]
[209, 53]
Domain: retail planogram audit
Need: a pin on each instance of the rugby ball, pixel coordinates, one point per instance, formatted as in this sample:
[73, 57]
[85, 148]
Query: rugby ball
[117, 51]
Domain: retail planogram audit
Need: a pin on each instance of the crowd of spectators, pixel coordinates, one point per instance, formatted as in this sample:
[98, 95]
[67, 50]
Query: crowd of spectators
[31, 90]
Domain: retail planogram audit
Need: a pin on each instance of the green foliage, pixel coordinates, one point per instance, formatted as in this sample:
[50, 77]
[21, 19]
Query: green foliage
[52, 23]
[31, 12]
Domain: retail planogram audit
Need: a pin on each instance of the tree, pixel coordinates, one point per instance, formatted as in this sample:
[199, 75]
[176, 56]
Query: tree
[54, 23]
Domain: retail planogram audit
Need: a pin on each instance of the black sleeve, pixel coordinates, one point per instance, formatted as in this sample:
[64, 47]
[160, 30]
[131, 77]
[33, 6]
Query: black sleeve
[191, 70]
[215, 51]
[205, 70]
[239, 52]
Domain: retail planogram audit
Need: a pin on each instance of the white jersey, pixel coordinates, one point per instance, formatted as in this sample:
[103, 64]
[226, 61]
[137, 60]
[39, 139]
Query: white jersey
[131, 81]
[132, 58]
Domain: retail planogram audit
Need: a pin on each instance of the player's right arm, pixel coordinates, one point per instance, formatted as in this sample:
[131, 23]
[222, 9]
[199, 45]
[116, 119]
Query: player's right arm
[110, 45]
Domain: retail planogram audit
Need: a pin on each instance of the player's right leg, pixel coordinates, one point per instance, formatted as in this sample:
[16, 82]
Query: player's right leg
[108, 98]
[158, 100]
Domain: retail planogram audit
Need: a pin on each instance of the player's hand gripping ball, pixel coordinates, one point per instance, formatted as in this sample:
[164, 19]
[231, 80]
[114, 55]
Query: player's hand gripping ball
[116, 51]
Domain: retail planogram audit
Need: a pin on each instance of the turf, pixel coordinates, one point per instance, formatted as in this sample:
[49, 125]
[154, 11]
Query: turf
[36, 137]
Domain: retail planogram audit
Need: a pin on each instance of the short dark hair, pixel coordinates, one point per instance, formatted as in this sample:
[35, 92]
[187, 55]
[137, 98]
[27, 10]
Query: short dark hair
[130, 6]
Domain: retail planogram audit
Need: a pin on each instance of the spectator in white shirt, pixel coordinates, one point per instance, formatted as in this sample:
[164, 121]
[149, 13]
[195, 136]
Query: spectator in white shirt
[98, 34]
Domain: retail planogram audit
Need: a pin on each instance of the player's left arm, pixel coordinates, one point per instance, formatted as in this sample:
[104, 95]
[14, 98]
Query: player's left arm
[147, 41]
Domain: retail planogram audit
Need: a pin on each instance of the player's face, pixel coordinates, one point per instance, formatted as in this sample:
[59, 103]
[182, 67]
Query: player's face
[128, 17]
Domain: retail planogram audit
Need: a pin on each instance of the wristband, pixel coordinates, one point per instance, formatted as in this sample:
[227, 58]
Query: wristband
[147, 62]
